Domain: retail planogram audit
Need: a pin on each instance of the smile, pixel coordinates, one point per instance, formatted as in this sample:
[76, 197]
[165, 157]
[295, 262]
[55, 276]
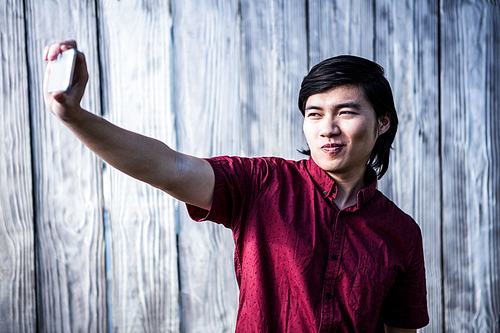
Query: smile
[332, 148]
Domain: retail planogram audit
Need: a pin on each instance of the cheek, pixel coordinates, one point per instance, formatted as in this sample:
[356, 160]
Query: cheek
[308, 132]
[364, 133]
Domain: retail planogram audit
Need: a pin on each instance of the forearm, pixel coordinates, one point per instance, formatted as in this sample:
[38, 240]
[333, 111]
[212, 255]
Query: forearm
[141, 157]
[186, 178]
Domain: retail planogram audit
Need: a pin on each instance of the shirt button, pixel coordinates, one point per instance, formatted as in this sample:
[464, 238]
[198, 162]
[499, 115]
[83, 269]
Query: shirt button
[335, 257]
[328, 296]
[325, 192]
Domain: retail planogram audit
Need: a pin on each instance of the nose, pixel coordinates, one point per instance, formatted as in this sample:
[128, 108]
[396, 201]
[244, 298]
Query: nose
[329, 128]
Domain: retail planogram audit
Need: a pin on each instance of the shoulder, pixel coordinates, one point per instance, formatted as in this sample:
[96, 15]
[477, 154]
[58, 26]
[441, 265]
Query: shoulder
[401, 225]
[396, 214]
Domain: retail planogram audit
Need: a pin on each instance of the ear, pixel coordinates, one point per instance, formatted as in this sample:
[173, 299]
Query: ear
[384, 123]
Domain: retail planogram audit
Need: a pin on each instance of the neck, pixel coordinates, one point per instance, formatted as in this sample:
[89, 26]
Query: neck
[348, 188]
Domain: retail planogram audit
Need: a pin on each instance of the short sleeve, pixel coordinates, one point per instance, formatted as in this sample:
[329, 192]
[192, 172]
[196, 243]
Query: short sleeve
[231, 192]
[406, 303]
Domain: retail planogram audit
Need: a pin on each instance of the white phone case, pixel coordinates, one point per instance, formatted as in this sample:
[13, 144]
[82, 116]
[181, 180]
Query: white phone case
[61, 73]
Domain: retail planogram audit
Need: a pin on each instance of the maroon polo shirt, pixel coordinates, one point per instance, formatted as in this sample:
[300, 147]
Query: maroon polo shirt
[302, 265]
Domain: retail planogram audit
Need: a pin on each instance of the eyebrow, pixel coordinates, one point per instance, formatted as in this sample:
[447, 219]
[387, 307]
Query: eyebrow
[350, 105]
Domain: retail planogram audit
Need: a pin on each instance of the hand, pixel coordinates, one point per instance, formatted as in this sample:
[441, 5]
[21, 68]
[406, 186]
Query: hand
[65, 105]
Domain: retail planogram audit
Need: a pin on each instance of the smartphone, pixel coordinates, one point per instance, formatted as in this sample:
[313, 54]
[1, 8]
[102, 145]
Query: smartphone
[61, 73]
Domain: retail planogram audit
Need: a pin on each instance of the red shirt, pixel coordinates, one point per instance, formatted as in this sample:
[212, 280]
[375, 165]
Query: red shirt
[304, 266]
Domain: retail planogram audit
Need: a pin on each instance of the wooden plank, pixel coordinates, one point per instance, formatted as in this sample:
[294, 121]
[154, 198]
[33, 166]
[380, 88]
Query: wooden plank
[340, 27]
[407, 46]
[274, 63]
[17, 270]
[470, 46]
[385, 38]
[207, 103]
[424, 138]
[71, 283]
[135, 44]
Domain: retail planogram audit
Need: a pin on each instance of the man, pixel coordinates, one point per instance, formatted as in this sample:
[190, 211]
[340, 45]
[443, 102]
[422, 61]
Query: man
[318, 248]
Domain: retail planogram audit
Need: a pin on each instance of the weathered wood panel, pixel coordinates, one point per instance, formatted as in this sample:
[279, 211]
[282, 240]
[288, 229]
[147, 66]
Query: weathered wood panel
[69, 241]
[17, 256]
[340, 27]
[425, 199]
[135, 53]
[274, 62]
[470, 49]
[207, 105]
[413, 178]
[234, 70]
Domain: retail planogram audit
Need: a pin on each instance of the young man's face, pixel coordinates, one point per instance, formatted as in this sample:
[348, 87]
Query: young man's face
[341, 129]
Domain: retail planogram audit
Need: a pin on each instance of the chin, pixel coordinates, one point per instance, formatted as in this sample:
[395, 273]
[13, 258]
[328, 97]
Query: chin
[329, 167]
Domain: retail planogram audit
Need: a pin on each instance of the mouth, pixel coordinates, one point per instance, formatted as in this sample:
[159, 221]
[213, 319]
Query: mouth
[332, 148]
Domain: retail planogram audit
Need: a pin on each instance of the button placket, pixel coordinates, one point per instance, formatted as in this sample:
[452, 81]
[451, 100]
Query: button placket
[329, 306]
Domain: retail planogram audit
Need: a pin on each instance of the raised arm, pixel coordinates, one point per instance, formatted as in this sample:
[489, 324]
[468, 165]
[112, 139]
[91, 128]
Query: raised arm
[185, 177]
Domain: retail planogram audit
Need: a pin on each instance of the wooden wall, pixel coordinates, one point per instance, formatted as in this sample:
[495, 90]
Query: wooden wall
[84, 248]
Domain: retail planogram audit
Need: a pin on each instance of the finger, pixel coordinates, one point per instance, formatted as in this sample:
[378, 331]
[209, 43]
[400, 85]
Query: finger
[59, 97]
[80, 77]
[80, 73]
[53, 50]
[82, 67]
[46, 77]
[45, 52]
[68, 44]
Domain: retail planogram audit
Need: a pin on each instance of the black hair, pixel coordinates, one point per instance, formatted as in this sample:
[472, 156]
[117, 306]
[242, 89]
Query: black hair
[369, 76]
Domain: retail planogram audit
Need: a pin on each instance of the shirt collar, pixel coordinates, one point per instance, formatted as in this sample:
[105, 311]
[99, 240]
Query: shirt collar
[328, 187]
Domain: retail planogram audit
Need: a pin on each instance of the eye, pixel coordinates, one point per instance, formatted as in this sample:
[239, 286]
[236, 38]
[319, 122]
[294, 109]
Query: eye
[313, 115]
[347, 113]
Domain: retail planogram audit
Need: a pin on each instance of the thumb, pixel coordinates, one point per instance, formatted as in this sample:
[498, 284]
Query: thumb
[60, 97]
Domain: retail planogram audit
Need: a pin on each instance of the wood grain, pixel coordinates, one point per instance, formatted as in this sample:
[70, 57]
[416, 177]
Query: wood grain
[274, 62]
[426, 197]
[469, 124]
[413, 178]
[222, 77]
[17, 256]
[207, 105]
[135, 53]
[69, 241]
[340, 27]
